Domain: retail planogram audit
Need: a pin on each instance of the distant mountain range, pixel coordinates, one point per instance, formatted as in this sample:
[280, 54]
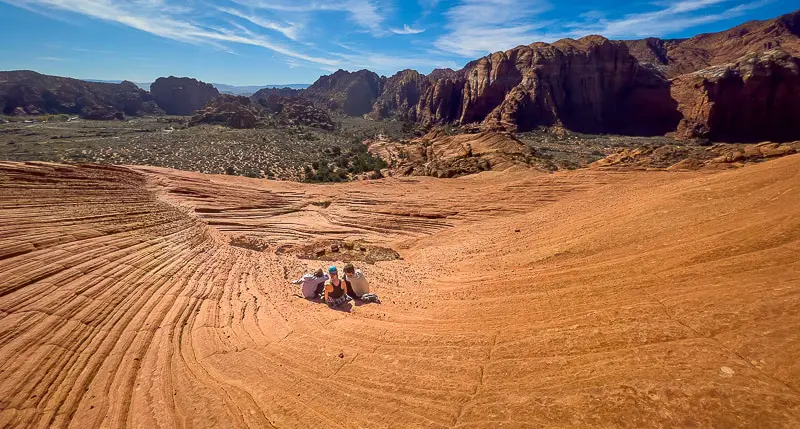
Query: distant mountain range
[738, 85]
[246, 90]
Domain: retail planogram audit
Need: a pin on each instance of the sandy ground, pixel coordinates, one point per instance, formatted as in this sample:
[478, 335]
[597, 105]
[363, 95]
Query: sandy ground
[523, 299]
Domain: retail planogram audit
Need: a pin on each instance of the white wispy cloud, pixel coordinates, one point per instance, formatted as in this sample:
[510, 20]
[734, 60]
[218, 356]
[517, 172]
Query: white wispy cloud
[675, 17]
[478, 27]
[172, 22]
[365, 13]
[406, 30]
[289, 30]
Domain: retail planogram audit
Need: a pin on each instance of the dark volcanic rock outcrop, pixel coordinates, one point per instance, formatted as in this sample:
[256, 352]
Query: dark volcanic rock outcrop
[182, 95]
[28, 92]
[754, 98]
[679, 56]
[351, 93]
[230, 110]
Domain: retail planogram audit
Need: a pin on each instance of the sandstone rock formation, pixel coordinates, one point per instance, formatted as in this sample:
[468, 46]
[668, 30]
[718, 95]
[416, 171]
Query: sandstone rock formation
[400, 96]
[28, 92]
[182, 95]
[441, 155]
[298, 111]
[578, 299]
[590, 85]
[679, 56]
[350, 93]
[230, 110]
[690, 157]
[752, 99]
[241, 112]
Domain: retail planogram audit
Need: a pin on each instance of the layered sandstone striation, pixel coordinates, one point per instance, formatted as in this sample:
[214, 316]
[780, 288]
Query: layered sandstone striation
[752, 99]
[576, 299]
[441, 155]
[182, 95]
[691, 157]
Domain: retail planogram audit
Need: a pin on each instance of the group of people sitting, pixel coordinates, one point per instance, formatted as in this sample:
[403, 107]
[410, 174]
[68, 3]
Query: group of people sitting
[336, 290]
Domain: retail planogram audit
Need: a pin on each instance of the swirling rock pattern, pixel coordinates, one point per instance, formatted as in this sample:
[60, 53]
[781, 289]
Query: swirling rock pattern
[582, 298]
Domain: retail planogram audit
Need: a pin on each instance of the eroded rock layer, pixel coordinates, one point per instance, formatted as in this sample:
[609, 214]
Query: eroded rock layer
[440, 155]
[585, 298]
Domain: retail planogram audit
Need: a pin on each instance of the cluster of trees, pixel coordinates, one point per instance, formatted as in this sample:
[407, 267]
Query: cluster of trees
[336, 165]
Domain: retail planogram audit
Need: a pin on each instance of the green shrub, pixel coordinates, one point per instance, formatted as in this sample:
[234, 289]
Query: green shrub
[354, 161]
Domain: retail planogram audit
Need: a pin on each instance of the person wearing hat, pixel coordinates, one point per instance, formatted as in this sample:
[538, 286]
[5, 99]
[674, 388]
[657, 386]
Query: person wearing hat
[336, 289]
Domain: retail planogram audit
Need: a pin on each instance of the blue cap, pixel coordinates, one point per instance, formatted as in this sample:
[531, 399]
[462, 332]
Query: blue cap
[332, 269]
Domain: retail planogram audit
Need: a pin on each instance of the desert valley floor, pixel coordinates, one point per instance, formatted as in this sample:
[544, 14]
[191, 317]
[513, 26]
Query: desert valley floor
[522, 299]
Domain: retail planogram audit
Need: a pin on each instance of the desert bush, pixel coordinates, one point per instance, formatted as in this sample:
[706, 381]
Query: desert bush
[341, 165]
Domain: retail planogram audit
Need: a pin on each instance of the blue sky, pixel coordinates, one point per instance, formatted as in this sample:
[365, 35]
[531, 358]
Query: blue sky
[255, 42]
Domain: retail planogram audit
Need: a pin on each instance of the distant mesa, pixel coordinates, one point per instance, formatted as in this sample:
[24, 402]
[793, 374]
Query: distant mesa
[182, 95]
[265, 93]
[252, 89]
[25, 92]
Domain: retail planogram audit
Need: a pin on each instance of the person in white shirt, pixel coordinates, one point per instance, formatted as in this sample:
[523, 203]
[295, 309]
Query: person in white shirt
[359, 286]
[312, 284]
